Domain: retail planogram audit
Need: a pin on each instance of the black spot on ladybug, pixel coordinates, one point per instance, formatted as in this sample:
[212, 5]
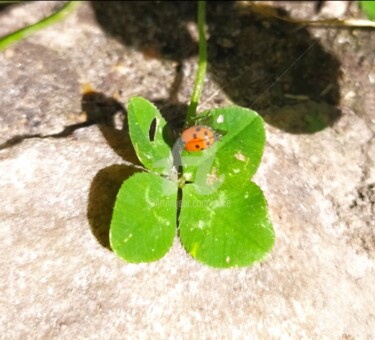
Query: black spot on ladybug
[208, 143]
[196, 146]
[198, 129]
[205, 133]
[194, 135]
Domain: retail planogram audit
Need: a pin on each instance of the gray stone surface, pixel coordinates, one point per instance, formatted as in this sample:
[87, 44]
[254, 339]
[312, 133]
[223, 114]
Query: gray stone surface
[59, 172]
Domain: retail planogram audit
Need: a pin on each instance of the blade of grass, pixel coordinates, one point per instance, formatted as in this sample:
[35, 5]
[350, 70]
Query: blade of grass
[22, 33]
[202, 63]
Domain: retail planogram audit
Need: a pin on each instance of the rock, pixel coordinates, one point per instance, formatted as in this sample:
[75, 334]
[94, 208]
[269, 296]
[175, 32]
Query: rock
[59, 179]
[40, 92]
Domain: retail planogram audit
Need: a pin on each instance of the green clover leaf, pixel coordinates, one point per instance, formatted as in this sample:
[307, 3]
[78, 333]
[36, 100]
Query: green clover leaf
[223, 220]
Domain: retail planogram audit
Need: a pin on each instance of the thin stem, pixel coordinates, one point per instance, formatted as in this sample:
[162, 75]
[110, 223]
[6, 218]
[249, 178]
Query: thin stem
[27, 31]
[202, 63]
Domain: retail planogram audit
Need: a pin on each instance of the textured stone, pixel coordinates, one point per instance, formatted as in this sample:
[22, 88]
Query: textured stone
[59, 178]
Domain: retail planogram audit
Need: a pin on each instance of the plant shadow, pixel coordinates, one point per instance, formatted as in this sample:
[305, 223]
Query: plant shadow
[107, 181]
[274, 67]
[99, 109]
[7, 6]
[102, 197]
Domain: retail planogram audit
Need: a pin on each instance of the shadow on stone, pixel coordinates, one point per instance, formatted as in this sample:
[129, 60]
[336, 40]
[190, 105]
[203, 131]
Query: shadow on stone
[4, 6]
[107, 182]
[259, 62]
[102, 110]
[156, 28]
[274, 67]
[66, 132]
[99, 110]
[173, 111]
[102, 197]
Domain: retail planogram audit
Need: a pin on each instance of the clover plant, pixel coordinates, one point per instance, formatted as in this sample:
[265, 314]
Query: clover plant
[220, 215]
[207, 197]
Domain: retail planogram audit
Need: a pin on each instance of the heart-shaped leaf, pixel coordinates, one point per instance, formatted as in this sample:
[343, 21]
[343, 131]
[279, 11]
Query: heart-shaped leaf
[145, 120]
[226, 228]
[237, 153]
[143, 223]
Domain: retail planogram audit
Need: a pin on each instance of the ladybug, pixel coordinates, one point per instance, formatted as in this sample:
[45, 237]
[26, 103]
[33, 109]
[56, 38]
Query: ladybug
[198, 137]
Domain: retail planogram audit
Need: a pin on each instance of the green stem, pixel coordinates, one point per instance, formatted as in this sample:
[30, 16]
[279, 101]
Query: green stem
[202, 64]
[27, 31]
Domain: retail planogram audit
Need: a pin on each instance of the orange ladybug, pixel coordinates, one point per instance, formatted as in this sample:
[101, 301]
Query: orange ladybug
[198, 137]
